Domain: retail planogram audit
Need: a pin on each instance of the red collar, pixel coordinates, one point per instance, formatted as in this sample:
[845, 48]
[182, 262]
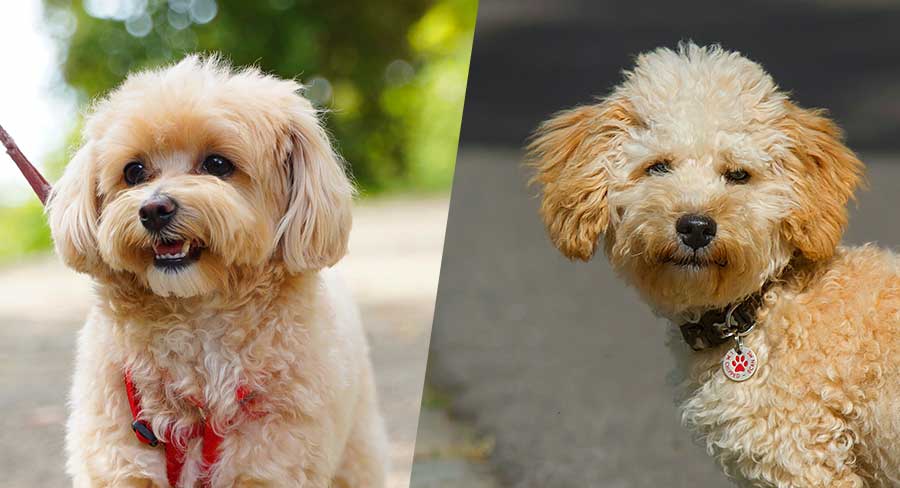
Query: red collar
[174, 450]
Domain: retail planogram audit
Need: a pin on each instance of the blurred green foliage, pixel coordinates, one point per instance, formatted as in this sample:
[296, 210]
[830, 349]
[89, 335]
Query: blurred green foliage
[391, 73]
[24, 229]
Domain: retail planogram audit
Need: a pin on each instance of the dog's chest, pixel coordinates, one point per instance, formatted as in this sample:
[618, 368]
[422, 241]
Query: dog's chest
[199, 383]
[194, 370]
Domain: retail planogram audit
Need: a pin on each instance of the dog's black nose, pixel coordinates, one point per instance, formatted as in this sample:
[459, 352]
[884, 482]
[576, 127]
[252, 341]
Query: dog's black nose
[157, 212]
[696, 231]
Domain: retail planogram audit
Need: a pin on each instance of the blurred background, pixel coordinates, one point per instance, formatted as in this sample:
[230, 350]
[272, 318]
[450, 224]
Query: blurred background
[544, 362]
[392, 76]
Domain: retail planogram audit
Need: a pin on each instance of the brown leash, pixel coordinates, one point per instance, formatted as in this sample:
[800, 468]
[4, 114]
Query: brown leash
[40, 185]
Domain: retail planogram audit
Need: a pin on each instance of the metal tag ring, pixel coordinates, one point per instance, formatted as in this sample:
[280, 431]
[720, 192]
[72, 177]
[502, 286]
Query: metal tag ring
[729, 317]
[733, 326]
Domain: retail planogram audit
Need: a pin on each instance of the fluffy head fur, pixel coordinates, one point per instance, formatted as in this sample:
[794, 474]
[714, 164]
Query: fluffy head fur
[702, 112]
[287, 203]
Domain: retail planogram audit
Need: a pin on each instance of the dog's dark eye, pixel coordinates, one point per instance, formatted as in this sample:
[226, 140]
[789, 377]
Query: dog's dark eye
[218, 166]
[659, 168]
[737, 176]
[134, 173]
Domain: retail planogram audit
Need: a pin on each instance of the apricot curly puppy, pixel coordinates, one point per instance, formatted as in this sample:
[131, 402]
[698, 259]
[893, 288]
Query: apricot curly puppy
[205, 203]
[723, 203]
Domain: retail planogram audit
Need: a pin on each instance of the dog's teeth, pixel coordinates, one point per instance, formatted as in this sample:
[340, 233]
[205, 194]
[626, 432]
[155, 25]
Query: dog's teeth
[185, 251]
[171, 256]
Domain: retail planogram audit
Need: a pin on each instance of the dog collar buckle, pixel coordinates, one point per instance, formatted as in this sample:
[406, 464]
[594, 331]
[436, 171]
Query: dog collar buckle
[715, 327]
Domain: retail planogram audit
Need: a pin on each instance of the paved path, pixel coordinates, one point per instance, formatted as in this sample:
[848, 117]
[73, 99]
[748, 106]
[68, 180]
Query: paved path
[450, 453]
[558, 362]
[393, 265]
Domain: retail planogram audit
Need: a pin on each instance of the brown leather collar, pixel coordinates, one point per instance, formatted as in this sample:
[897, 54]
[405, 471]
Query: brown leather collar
[714, 327]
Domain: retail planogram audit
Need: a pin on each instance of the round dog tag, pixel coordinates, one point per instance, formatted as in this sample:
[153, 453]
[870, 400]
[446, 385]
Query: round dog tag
[739, 366]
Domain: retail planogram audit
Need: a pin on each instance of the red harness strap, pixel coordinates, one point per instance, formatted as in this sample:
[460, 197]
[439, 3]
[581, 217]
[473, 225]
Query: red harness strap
[174, 453]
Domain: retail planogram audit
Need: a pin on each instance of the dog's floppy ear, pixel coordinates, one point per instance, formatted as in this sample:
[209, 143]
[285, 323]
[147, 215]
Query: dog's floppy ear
[314, 231]
[824, 174]
[571, 152]
[72, 211]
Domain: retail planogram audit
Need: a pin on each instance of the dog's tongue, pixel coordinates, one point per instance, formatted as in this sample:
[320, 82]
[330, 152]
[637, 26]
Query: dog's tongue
[168, 247]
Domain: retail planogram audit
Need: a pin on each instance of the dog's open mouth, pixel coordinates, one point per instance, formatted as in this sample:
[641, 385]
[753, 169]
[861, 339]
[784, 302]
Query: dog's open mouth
[176, 254]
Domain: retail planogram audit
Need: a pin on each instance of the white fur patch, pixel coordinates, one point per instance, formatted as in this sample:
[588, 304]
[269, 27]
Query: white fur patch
[184, 282]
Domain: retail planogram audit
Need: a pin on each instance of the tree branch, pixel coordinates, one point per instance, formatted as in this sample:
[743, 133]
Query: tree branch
[34, 177]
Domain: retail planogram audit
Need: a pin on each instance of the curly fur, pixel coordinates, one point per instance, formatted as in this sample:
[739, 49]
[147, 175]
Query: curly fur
[824, 408]
[256, 310]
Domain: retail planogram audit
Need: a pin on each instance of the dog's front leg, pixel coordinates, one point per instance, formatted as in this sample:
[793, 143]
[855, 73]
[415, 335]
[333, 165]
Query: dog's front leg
[364, 460]
[87, 482]
[251, 483]
[286, 452]
[101, 449]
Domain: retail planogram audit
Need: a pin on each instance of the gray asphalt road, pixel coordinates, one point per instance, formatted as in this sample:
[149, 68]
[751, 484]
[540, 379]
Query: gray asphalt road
[558, 361]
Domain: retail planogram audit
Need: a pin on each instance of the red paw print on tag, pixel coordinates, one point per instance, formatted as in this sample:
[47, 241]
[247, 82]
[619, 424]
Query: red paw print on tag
[739, 363]
[739, 366]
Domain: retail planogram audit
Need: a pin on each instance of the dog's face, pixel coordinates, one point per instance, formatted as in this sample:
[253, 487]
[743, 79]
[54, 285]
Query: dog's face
[189, 174]
[704, 179]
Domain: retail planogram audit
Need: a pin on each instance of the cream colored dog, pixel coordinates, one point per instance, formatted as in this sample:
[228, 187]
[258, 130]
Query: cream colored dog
[714, 193]
[205, 203]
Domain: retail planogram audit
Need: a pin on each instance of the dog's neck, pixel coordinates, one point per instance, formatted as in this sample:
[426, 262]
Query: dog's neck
[716, 326]
[185, 345]
[702, 327]
[254, 288]
[145, 322]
